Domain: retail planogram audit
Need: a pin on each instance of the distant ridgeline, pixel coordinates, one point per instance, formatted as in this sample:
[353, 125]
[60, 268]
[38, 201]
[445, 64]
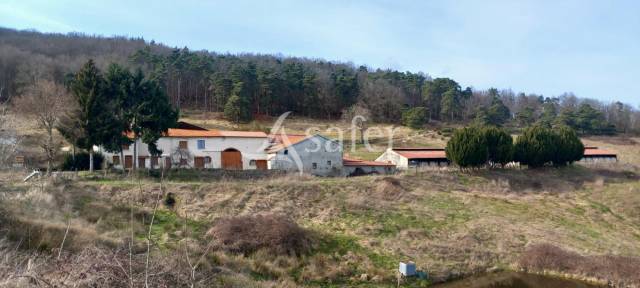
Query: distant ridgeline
[245, 85]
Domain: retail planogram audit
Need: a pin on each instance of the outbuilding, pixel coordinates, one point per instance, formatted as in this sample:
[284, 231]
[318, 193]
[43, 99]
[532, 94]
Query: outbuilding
[314, 154]
[405, 158]
[594, 154]
[357, 167]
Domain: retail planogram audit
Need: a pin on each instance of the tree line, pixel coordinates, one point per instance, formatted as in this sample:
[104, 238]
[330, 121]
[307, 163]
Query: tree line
[245, 86]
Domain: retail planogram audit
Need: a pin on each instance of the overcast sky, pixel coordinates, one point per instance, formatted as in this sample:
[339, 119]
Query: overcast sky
[591, 48]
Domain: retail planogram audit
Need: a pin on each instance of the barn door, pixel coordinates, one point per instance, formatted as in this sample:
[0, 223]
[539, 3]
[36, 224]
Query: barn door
[261, 164]
[231, 159]
[198, 162]
[128, 162]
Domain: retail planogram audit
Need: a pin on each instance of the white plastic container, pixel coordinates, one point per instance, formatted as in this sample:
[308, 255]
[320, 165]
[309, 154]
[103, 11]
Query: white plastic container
[407, 268]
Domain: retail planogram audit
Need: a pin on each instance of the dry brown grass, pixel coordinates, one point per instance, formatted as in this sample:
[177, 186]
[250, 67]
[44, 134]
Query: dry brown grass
[101, 267]
[620, 271]
[248, 234]
[451, 223]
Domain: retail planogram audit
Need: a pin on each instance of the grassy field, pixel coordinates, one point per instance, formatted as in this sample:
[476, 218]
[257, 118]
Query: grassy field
[450, 223]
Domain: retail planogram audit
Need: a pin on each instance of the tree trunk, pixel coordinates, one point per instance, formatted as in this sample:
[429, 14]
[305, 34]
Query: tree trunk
[121, 159]
[90, 158]
[135, 154]
[49, 150]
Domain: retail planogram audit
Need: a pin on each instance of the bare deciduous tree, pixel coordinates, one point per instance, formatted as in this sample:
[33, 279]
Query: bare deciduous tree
[45, 102]
[9, 138]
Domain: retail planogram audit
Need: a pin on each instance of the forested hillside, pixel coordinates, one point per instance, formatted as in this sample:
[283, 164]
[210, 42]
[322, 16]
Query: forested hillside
[248, 85]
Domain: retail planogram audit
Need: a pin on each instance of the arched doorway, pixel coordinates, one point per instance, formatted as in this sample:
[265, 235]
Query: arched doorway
[231, 159]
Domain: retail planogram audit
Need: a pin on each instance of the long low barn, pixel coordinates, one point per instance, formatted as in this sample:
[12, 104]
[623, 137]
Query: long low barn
[357, 167]
[594, 154]
[405, 158]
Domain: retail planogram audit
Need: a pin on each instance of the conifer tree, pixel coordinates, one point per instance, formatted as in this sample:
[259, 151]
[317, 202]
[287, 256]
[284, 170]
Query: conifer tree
[87, 88]
[468, 147]
[499, 145]
[536, 146]
[569, 148]
[149, 112]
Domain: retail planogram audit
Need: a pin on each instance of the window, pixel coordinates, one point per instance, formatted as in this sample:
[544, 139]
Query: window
[252, 163]
[207, 159]
[314, 165]
[182, 144]
[125, 147]
[201, 144]
[116, 160]
[286, 152]
[329, 163]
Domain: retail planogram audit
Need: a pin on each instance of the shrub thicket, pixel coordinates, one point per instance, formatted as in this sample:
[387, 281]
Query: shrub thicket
[468, 147]
[80, 161]
[248, 234]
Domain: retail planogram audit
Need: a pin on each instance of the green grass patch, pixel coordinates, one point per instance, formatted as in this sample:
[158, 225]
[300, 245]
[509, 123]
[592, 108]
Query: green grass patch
[581, 229]
[168, 228]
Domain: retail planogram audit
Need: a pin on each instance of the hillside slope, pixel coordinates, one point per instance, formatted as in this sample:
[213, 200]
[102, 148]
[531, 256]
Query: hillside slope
[450, 223]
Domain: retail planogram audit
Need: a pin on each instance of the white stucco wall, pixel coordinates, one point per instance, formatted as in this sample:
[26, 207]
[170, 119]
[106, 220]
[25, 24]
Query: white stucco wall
[327, 155]
[250, 148]
[395, 158]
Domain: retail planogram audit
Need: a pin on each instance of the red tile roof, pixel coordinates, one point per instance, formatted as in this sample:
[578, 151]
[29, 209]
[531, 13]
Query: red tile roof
[595, 151]
[243, 134]
[421, 153]
[280, 141]
[190, 133]
[358, 162]
[174, 132]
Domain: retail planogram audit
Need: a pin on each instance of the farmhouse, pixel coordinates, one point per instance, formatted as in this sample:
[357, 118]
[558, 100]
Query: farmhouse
[594, 154]
[405, 158]
[315, 154]
[195, 147]
[190, 146]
